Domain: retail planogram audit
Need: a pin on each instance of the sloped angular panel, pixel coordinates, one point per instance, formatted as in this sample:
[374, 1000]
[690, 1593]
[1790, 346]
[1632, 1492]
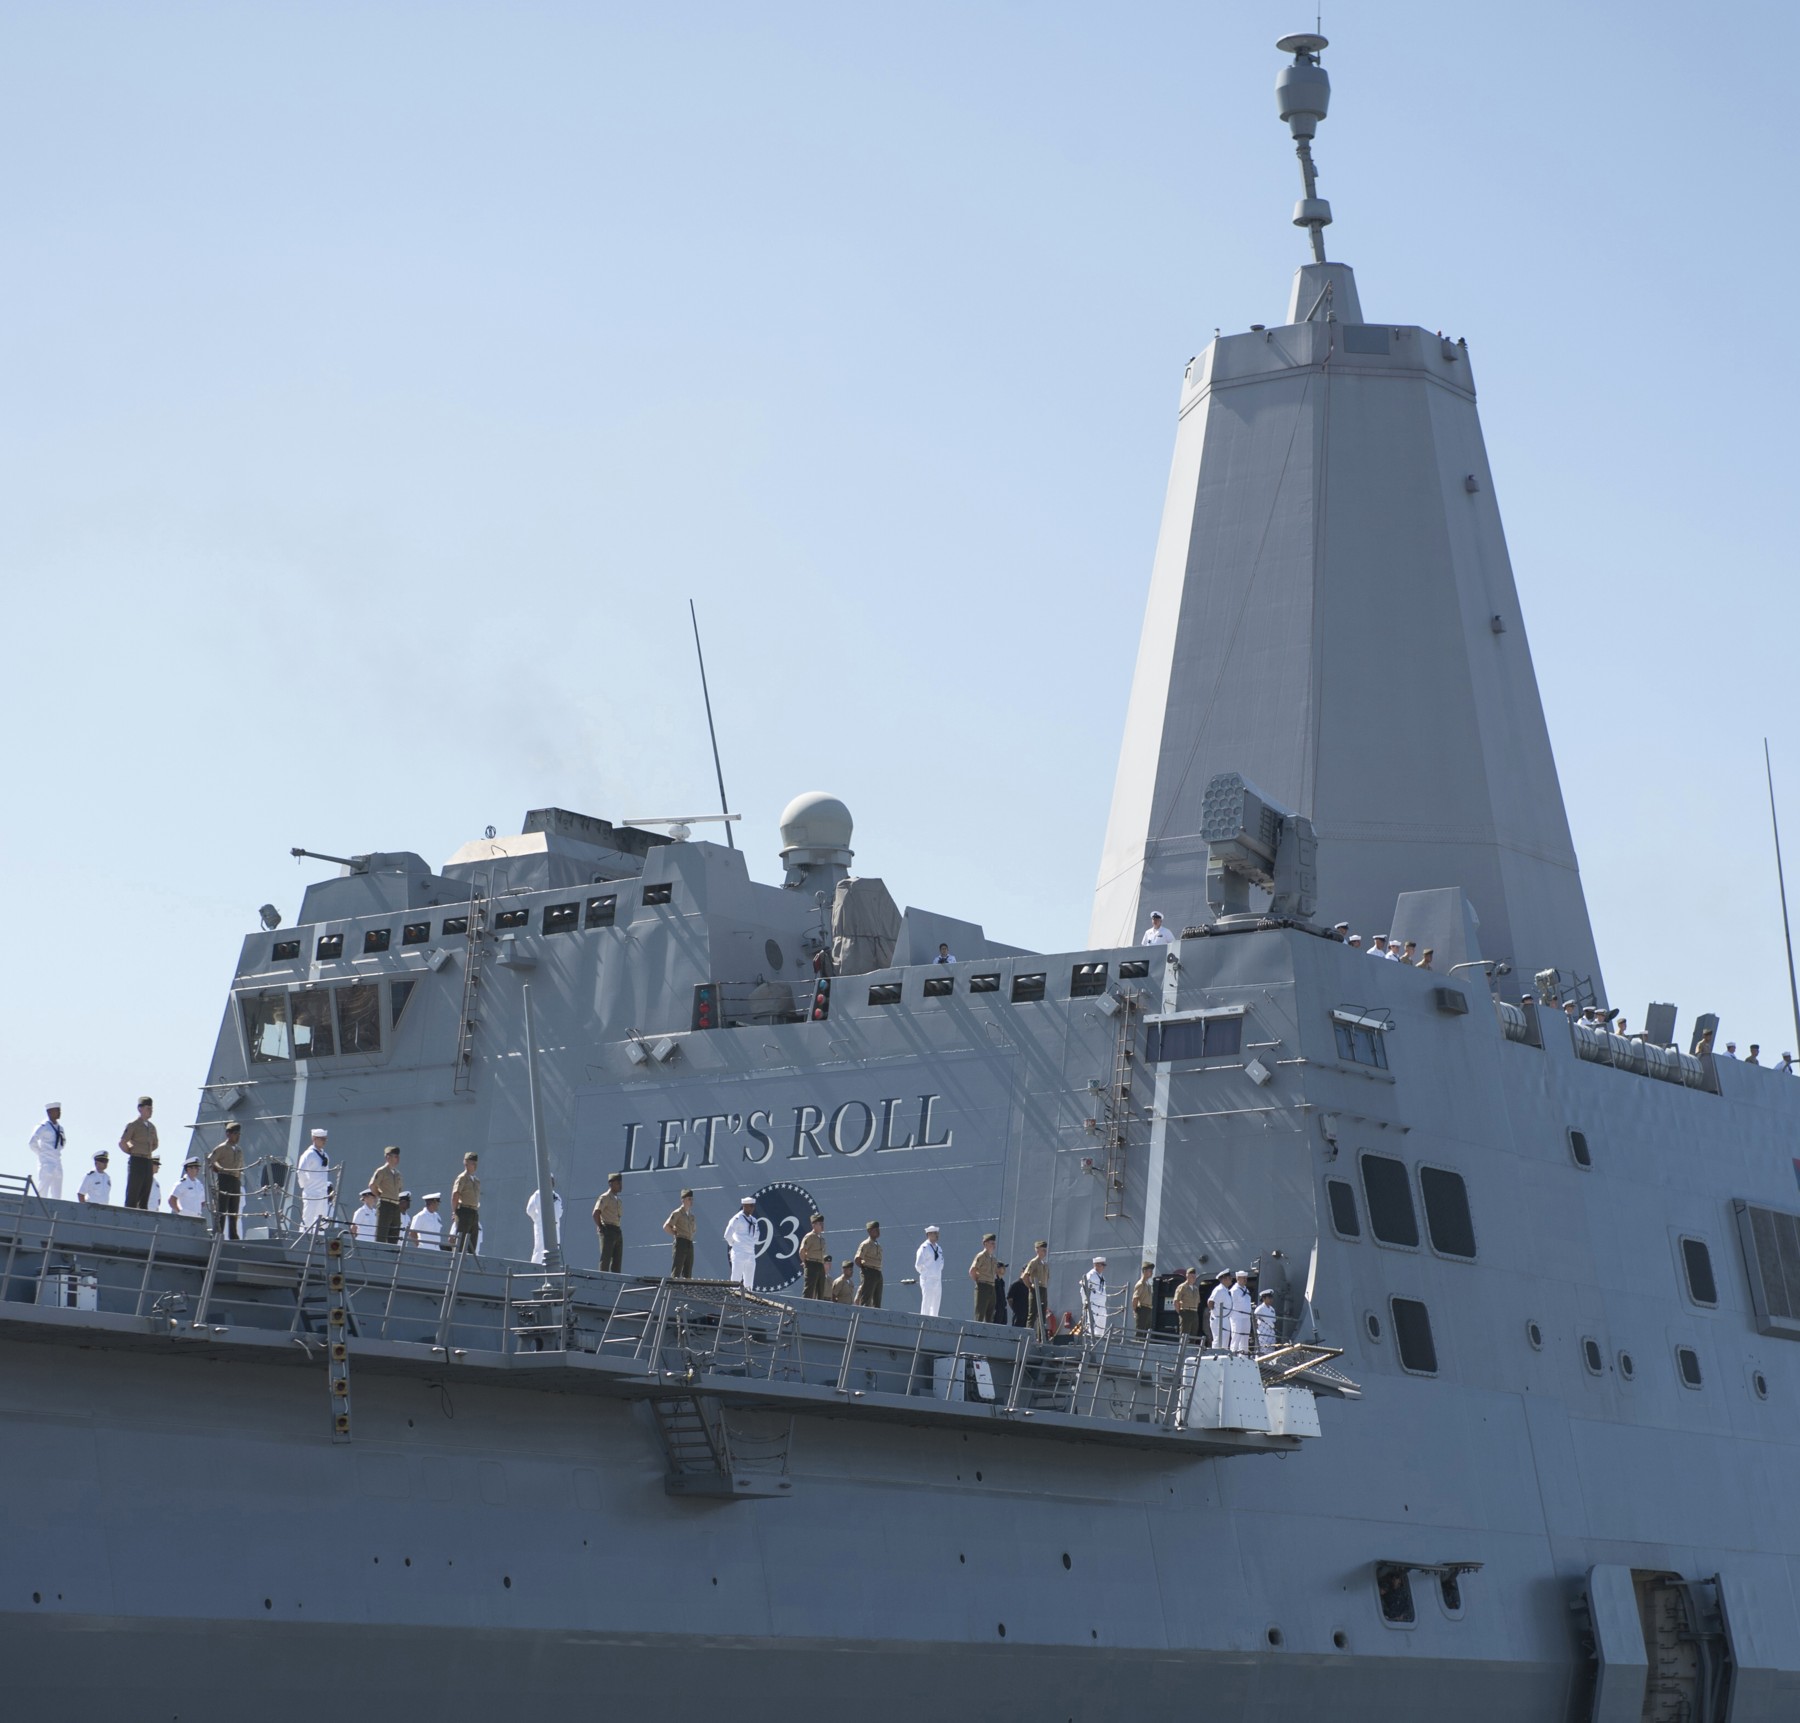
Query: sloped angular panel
[1771, 1240]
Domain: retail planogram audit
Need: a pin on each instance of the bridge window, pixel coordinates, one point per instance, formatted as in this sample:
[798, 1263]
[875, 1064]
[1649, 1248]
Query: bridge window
[1393, 1590]
[939, 986]
[1697, 1260]
[1027, 988]
[331, 945]
[1412, 1335]
[1134, 969]
[601, 911]
[984, 983]
[398, 994]
[359, 1019]
[1447, 1211]
[512, 918]
[1361, 1040]
[286, 950]
[266, 1027]
[1087, 980]
[1388, 1192]
[1344, 1219]
[561, 917]
[416, 933]
[1209, 1037]
[885, 993]
[454, 924]
[655, 894]
[313, 1038]
[1689, 1361]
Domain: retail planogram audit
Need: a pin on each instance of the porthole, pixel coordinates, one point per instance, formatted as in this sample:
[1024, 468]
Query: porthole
[1535, 1335]
[1275, 1636]
[1627, 1368]
[1450, 1593]
[1759, 1384]
[1578, 1147]
[1687, 1360]
[1372, 1322]
[774, 954]
[1341, 1640]
[1066, 1562]
[1593, 1357]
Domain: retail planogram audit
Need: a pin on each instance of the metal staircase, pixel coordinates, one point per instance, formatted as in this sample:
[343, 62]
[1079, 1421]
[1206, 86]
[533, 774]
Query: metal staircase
[474, 955]
[1116, 1110]
[698, 1447]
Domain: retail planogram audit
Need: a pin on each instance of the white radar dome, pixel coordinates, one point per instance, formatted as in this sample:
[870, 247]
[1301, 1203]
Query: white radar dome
[816, 821]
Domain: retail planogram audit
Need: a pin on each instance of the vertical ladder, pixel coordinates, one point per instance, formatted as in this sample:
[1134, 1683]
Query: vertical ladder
[1117, 1106]
[337, 1338]
[464, 1080]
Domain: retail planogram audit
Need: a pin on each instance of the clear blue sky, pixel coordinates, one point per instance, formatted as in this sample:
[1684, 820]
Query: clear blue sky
[380, 381]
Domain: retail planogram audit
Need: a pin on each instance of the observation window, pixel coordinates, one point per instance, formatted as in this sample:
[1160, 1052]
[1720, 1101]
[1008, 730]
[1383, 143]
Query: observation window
[1447, 1212]
[416, 933]
[601, 911]
[1342, 1198]
[1697, 1260]
[285, 951]
[1412, 1335]
[1388, 1192]
[939, 986]
[1591, 1356]
[1360, 1040]
[266, 1027]
[885, 993]
[330, 945]
[1134, 969]
[1026, 988]
[313, 1038]
[1393, 1590]
[512, 918]
[377, 939]
[359, 1018]
[1689, 1362]
[984, 983]
[1087, 980]
[455, 924]
[655, 894]
[561, 917]
[1210, 1037]
[1578, 1147]
[398, 994]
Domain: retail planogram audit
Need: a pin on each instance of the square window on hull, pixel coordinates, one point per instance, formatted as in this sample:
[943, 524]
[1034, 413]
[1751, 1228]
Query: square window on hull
[1388, 1192]
[1412, 1334]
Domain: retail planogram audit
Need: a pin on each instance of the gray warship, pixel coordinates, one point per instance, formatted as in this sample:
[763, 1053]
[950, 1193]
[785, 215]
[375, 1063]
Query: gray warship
[1519, 1449]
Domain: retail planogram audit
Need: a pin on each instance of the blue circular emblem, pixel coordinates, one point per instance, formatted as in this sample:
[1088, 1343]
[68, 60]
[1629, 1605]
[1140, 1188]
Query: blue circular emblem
[783, 1217]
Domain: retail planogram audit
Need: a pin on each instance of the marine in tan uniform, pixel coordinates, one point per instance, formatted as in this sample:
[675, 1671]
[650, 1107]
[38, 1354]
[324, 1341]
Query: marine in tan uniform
[138, 1140]
[868, 1259]
[609, 1222]
[1187, 1305]
[385, 1183]
[225, 1161]
[680, 1227]
[812, 1259]
[465, 1203]
[981, 1271]
[843, 1284]
[1143, 1300]
[1036, 1275]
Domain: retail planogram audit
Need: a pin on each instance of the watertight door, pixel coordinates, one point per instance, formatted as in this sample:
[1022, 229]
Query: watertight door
[1624, 1672]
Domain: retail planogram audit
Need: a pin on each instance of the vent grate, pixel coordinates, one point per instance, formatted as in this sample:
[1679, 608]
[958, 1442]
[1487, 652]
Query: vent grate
[1771, 1241]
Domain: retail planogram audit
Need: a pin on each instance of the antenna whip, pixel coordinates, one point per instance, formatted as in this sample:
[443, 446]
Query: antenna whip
[1781, 878]
[705, 694]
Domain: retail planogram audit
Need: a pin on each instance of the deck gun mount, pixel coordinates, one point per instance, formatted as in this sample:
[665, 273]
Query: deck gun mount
[1250, 841]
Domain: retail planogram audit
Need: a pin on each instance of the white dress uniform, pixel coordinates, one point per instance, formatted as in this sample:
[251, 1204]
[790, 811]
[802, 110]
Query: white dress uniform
[741, 1236]
[96, 1187]
[537, 1228]
[313, 1178]
[928, 1263]
[188, 1198]
[1242, 1312]
[1154, 935]
[1218, 1313]
[47, 1142]
[155, 1195]
[362, 1223]
[1265, 1328]
[427, 1229]
[1093, 1301]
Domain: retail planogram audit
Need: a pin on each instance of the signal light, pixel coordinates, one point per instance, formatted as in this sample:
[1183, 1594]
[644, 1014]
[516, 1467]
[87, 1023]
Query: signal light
[706, 1006]
[821, 1005]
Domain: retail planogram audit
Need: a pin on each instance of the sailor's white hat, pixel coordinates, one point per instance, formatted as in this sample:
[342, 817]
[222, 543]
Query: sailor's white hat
[53, 1106]
[932, 1228]
[432, 1197]
[320, 1131]
[1240, 1274]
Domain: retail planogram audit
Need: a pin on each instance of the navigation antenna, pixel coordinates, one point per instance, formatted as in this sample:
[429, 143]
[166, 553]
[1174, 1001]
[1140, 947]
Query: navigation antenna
[1781, 878]
[725, 812]
[1303, 93]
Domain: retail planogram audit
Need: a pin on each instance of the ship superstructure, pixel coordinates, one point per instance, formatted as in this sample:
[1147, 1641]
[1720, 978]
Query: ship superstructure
[1518, 1449]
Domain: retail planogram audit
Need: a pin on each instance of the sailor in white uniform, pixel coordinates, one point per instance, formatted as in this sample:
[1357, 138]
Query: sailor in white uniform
[1218, 1311]
[1156, 933]
[47, 1143]
[426, 1229]
[363, 1219]
[1242, 1313]
[1265, 1321]
[188, 1198]
[928, 1263]
[313, 1178]
[97, 1186]
[155, 1203]
[1093, 1298]
[741, 1237]
[537, 1226]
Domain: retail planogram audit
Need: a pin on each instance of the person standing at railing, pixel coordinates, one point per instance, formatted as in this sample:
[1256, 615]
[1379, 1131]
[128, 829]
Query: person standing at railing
[981, 1272]
[1093, 1299]
[365, 1222]
[609, 1223]
[138, 1140]
[742, 1235]
[314, 1180]
[1241, 1313]
[465, 1199]
[680, 1227]
[1036, 1275]
[533, 1214]
[426, 1228]
[1143, 1300]
[868, 1259]
[225, 1161]
[154, 1205]
[843, 1283]
[1187, 1304]
[96, 1188]
[928, 1264]
[1266, 1320]
[812, 1258]
[47, 1144]
[1218, 1312]
[188, 1198]
[385, 1183]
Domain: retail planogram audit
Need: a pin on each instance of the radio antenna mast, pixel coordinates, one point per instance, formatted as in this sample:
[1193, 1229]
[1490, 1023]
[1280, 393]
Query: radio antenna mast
[719, 771]
[1781, 878]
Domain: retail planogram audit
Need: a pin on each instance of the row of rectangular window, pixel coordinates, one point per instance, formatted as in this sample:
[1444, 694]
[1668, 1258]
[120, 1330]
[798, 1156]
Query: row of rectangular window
[557, 918]
[1387, 1188]
[320, 1022]
[1086, 981]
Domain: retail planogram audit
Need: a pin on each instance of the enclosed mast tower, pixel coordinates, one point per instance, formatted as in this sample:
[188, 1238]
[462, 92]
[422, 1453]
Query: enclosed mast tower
[1332, 614]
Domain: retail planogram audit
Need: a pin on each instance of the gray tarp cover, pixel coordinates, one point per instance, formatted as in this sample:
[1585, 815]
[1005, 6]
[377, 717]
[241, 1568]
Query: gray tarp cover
[865, 924]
